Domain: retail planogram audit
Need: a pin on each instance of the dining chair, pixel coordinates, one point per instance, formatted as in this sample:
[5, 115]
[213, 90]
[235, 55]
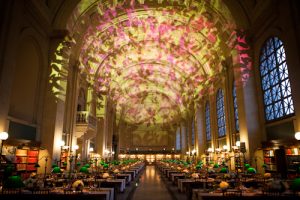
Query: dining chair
[72, 192]
[232, 193]
[41, 191]
[11, 191]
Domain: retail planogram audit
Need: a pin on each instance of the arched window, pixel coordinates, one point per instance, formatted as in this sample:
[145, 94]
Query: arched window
[207, 122]
[178, 141]
[221, 114]
[193, 132]
[235, 109]
[275, 81]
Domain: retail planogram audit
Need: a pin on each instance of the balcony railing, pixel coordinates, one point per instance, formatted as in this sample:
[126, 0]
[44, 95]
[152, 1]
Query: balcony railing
[84, 117]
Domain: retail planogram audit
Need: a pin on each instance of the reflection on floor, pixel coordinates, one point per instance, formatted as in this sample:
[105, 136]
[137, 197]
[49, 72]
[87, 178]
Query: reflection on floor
[151, 186]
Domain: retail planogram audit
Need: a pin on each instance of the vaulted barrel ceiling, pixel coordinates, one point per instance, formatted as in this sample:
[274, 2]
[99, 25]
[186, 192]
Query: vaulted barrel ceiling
[153, 59]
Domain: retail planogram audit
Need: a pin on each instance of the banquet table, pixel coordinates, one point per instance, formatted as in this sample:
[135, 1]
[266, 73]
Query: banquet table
[253, 195]
[58, 193]
[119, 184]
[124, 176]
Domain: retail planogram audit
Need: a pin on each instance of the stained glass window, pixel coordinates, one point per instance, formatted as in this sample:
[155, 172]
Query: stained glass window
[275, 81]
[207, 121]
[193, 132]
[235, 109]
[221, 114]
[178, 142]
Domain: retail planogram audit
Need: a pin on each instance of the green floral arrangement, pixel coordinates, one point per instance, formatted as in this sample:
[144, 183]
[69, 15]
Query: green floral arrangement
[247, 166]
[78, 164]
[56, 170]
[14, 182]
[84, 170]
[115, 162]
[87, 165]
[224, 170]
[296, 184]
[54, 165]
[264, 166]
[216, 165]
[105, 166]
[9, 170]
[198, 166]
[251, 170]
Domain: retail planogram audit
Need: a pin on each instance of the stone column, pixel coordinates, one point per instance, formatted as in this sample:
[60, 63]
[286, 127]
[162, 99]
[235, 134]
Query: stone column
[100, 137]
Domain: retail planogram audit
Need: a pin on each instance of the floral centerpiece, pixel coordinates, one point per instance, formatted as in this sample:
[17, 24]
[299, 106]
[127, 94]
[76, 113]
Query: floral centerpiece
[195, 175]
[31, 182]
[296, 185]
[78, 185]
[105, 175]
[267, 175]
[251, 170]
[116, 171]
[216, 165]
[224, 170]
[14, 182]
[56, 170]
[84, 170]
[247, 166]
[224, 185]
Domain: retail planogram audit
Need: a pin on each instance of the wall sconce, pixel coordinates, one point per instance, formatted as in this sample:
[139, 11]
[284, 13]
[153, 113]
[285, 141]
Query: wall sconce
[91, 149]
[62, 143]
[238, 144]
[3, 137]
[210, 150]
[297, 135]
[194, 152]
[76, 147]
[225, 148]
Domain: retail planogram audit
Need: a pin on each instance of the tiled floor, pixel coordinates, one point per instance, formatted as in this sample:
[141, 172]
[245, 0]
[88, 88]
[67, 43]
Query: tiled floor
[150, 186]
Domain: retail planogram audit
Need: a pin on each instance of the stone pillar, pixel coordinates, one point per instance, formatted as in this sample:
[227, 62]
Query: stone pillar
[71, 105]
[54, 105]
[100, 137]
[250, 129]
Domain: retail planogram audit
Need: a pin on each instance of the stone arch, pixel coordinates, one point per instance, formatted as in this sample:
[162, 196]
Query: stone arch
[27, 75]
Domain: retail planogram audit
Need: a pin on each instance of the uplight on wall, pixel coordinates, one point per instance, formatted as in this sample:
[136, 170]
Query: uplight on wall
[225, 147]
[238, 143]
[61, 143]
[76, 147]
[297, 135]
[3, 136]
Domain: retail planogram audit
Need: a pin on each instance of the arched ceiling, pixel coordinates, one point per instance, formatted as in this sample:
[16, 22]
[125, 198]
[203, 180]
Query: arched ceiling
[153, 59]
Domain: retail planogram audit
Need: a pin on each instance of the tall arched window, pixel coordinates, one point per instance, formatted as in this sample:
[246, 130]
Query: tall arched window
[275, 81]
[235, 109]
[207, 122]
[221, 113]
[178, 141]
[193, 132]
